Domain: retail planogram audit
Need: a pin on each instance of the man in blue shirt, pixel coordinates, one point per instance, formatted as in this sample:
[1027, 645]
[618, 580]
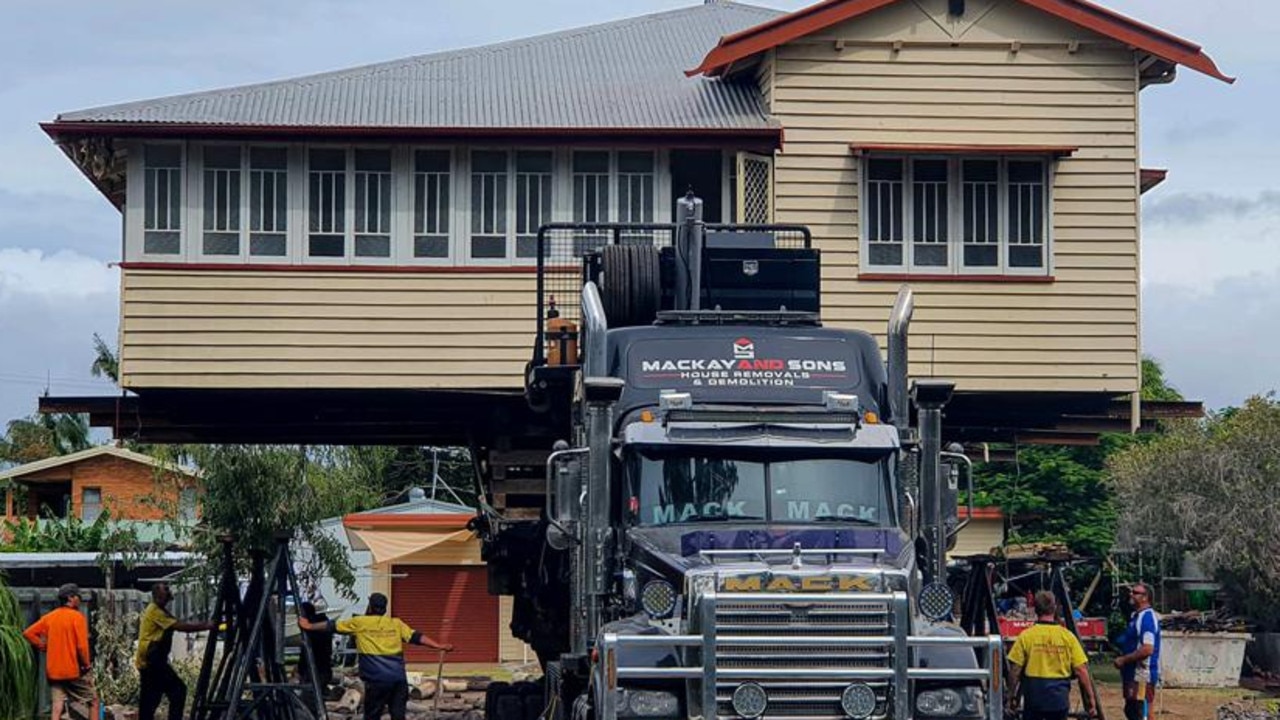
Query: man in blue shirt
[1140, 664]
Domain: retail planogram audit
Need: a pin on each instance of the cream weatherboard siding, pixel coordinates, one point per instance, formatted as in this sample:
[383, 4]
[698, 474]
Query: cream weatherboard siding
[299, 328]
[959, 82]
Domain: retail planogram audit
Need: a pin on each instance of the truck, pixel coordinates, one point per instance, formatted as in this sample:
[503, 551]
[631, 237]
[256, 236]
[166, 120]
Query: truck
[748, 512]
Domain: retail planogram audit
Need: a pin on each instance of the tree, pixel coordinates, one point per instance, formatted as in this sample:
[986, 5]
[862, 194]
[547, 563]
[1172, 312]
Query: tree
[255, 492]
[1211, 487]
[43, 436]
[106, 364]
[1154, 384]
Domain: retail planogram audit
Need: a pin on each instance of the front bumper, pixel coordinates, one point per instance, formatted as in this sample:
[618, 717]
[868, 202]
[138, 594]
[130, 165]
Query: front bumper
[818, 662]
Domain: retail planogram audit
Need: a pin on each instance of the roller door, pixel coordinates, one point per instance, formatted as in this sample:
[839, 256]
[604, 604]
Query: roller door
[450, 604]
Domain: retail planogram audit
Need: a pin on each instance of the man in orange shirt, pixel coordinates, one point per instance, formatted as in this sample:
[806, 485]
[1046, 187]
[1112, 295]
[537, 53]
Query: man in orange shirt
[63, 635]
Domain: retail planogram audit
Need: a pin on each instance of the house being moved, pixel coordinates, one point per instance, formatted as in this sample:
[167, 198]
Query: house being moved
[348, 257]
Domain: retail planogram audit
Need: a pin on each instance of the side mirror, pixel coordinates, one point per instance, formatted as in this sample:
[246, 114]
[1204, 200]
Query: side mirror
[957, 473]
[565, 469]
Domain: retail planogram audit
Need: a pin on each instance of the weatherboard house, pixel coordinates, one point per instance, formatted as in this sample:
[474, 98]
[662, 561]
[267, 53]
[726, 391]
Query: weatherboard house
[348, 257]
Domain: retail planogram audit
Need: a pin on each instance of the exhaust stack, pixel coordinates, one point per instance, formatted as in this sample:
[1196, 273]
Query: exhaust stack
[899, 325]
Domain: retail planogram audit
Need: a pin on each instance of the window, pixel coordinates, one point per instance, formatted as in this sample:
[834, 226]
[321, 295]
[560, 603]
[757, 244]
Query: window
[533, 199]
[268, 202]
[327, 203]
[187, 504]
[591, 186]
[956, 215]
[431, 206]
[221, 201]
[373, 203]
[488, 204]
[90, 504]
[162, 200]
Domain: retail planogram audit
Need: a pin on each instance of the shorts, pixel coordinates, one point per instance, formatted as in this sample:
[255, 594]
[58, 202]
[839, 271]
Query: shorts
[77, 695]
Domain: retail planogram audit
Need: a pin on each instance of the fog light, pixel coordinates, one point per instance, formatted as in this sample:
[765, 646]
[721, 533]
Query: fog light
[858, 701]
[945, 702]
[750, 700]
[936, 601]
[658, 598]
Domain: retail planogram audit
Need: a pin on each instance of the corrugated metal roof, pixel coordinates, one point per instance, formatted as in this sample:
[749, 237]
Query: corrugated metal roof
[619, 75]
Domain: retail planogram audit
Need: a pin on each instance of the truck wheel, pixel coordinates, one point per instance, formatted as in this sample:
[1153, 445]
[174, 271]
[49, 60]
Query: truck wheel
[617, 292]
[492, 695]
[553, 698]
[646, 284]
[581, 708]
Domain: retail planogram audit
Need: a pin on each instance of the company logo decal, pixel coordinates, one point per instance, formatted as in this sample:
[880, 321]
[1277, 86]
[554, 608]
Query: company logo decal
[744, 349]
[745, 364]
[809, 583]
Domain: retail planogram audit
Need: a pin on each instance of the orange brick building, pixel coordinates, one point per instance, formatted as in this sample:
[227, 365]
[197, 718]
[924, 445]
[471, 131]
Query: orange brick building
[130, 485]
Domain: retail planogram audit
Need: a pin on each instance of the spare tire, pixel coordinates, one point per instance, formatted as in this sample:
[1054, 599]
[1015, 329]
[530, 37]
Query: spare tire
[646, 284]
[616, 293]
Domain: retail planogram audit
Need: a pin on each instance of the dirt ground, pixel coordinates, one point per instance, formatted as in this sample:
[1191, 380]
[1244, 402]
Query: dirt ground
[1175, 704]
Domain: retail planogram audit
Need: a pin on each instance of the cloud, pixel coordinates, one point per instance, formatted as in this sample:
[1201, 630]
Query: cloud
[1187, 133]
[1199, 208]
[1220, 344]
[50, 307]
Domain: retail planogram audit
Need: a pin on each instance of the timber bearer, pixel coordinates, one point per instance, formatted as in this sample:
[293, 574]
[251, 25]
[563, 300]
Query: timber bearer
[1042, 662]
[379, 645]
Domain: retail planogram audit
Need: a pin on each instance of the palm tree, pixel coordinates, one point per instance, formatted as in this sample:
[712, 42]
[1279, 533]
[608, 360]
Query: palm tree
[107, 363]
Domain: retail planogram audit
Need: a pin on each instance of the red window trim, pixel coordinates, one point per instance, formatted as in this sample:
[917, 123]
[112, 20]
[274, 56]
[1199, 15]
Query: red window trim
[920, 277]
[388, 269]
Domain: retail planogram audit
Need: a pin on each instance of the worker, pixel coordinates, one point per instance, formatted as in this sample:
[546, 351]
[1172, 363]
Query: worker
[1047, 655]
[156, 676]
[379, 646]
[1140, 662]
[62, 634]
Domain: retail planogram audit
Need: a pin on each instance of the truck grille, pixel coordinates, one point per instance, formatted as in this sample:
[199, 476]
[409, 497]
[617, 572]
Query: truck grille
[800, 698]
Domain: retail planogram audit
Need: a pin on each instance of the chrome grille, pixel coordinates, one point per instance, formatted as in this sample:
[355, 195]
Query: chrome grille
[801, 699]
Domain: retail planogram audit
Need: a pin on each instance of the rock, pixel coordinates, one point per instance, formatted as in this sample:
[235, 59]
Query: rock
[479, 683]
[455, 685]
[473, 715]
[121, 712]
[350, 700]
[424, 690]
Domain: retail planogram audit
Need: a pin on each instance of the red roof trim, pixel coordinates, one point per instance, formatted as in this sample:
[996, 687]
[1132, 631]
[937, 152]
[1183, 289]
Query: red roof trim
[406, 521]
[1054, 150]
[552, 135]
[1148, 178]
[391, 269]
[1088, 15]
[985, 513]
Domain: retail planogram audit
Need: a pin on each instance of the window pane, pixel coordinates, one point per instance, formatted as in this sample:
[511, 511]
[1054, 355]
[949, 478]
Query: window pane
[430, 247]
[266, 158]
[1026, 256]
[162, 200]
[635, 162]
[1026, 216]
[161, 243]
[373, 160]
[325, 246]
[980, 190]
[374, 246]
[222, 156]
[488, 204]
[885, 212]
[533, 161]
[221, 206]
[221, 244]
[930, 213]
[261, 245]
[327, 203]
[431, 161]
[482, 247]
[488, 161]
[169, 156]
[328, 159]
[591, 162]
[635, 187]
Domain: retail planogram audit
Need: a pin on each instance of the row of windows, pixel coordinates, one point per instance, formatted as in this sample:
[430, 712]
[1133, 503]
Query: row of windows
[940, 215]
[368, 205]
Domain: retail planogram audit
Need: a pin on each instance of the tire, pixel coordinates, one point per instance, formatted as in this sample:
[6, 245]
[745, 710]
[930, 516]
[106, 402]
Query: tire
[646, 284]
[616, 293]
[495, 692]
[552, 686]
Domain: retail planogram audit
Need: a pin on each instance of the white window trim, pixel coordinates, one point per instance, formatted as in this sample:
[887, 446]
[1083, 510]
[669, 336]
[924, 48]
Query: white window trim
[955, 242]
[298, 206]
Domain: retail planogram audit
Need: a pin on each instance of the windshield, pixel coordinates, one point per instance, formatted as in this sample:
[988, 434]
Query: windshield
[668, 488]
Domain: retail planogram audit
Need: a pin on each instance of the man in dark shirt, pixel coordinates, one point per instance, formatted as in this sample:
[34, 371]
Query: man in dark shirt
[380, 645]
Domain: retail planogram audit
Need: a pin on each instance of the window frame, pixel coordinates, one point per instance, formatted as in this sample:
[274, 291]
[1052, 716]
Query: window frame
[197, 169]
[955, 210]
[135, 205]
[100, 505]
[398, 219]
[453, 238]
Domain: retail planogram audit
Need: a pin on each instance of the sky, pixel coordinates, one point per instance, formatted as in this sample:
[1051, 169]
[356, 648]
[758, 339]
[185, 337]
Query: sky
[1211, 232]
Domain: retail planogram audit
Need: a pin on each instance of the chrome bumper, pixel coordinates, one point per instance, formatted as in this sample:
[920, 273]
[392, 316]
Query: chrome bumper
[898, 674]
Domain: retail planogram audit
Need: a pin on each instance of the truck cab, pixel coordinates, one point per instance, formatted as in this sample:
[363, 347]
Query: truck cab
[748, 525]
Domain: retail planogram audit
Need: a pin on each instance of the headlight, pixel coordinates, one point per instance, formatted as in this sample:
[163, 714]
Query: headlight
[658, 598]
[750, 700]
[647, 703]
[944, 702]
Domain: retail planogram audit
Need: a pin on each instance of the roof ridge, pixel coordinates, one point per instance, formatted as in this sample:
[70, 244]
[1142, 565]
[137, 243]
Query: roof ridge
[380, 67]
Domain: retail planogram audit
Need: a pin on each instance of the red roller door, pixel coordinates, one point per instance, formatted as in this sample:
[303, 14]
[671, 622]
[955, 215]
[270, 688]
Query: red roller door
[450, 604]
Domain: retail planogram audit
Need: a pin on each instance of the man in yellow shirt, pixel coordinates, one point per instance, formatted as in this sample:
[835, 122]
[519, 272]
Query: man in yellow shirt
[155, 639]
[380, 646]
[1047, 655]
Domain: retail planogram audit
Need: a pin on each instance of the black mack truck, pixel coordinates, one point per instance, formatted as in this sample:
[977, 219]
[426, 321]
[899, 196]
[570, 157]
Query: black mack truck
[740, 521]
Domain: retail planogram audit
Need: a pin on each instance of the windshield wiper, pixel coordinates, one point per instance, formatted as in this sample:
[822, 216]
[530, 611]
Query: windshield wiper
[843, 518]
